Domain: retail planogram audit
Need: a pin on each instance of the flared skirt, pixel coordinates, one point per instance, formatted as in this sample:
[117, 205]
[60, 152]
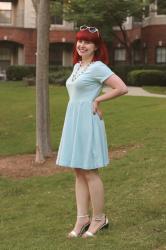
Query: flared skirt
[83, 142]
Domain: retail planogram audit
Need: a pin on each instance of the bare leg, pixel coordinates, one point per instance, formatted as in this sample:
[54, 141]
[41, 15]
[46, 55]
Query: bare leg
[82, 193]
[96, 191]
[82, 200]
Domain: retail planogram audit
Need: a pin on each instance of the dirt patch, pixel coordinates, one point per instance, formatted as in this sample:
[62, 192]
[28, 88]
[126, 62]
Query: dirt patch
[161, 248]
[117, 153]
[24, 166]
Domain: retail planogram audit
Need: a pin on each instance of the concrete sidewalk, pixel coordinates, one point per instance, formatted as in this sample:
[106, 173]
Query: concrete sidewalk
[137, 91]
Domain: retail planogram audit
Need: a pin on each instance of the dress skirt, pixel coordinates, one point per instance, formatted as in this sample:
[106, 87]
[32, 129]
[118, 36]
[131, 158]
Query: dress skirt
[83, 142]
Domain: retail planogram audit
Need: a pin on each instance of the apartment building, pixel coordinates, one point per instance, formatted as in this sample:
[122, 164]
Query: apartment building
[147, 39]
[18, 35]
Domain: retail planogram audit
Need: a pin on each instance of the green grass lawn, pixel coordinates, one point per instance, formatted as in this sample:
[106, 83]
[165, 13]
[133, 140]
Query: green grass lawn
[155, 89]
[37, 213]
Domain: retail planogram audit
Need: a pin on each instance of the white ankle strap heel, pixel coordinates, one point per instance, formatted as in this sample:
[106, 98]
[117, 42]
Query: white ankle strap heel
[101, 227]
[99, 218]
[83, 229]
[82, 216]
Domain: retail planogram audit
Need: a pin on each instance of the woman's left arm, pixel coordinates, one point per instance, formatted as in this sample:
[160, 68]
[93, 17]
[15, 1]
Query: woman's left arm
[118, 88]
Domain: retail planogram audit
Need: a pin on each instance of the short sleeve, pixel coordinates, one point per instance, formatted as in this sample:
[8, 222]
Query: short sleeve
[102, 72]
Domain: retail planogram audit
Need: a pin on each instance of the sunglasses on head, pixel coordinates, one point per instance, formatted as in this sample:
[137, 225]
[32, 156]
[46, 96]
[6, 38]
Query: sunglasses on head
[90, 29]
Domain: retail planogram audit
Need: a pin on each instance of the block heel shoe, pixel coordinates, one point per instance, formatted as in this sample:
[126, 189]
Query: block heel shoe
[105, 225]
[83, 229]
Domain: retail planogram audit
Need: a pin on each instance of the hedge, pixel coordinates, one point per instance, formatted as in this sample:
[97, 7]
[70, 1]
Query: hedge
[147, 77]
[59, 74]
[18, 72]
[123, 70]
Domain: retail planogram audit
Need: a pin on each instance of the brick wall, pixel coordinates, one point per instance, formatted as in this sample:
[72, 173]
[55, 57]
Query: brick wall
[62, 36]
[25, 37]
[151, 36]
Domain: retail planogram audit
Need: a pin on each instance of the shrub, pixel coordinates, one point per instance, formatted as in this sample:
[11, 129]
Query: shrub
[53, 68]
[60, 76]
[147, 77]
[17, 72]
[123, 70]
[57, 74]
[29, 81]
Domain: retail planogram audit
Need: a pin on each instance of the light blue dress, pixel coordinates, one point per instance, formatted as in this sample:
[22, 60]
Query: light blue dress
[83, 142]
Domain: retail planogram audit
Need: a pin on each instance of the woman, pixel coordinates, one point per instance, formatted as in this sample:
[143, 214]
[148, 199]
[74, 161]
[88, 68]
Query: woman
[83, 145]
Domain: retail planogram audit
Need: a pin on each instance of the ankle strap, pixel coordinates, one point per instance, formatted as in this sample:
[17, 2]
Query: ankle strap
[82, 216]
[99, 218]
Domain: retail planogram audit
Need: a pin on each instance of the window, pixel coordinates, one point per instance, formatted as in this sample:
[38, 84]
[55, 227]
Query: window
[5, 57]
[4, 54]
[145, 54]
[161, 55]
[56, 20]
[120, 54]
[56, 54]
[5, 13]
[137, 56]
[57, 12]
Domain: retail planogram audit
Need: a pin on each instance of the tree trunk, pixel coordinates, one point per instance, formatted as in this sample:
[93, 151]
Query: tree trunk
[36, 5]
[125, 41]
[43, 146]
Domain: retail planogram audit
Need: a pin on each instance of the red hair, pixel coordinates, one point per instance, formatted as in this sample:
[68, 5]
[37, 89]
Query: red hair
[101, 54]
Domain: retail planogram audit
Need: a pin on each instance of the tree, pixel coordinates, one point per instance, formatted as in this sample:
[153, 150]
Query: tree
[43, 145]
[161, 7]
[56, 8]
[105, 15]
